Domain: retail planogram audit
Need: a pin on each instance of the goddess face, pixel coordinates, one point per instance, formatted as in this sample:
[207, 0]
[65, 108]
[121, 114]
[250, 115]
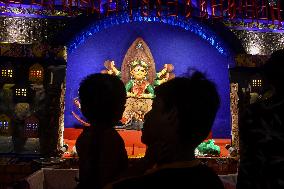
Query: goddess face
[139, 72]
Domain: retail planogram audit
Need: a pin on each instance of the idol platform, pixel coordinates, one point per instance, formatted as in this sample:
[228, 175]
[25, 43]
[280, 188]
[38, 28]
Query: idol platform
[222, 164]
[132, 139]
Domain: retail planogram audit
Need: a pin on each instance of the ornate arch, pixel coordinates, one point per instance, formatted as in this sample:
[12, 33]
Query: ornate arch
[190, 25]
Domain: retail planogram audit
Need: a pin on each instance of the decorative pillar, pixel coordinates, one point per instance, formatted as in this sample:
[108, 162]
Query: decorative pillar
[234, 114]
[60, 141]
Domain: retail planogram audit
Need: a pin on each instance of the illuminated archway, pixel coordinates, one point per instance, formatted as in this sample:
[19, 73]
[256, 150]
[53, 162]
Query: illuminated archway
[177, 41]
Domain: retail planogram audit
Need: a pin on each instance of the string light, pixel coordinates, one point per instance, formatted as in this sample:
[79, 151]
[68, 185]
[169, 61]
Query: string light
[187, 24]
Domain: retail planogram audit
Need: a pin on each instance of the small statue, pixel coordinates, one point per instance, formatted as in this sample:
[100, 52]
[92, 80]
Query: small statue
[139, 86]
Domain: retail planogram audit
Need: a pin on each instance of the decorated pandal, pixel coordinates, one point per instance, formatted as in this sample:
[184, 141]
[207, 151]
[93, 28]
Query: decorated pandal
[145, 47]
[139, 74]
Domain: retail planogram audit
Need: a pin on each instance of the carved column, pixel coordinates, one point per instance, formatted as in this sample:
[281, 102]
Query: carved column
[60, 141]
[234, 114]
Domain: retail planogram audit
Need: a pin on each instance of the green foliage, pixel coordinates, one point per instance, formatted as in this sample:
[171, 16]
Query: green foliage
[208, 148]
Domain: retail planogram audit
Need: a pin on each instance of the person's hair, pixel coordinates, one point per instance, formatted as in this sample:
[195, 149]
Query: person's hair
[102, 98]
[273, 69]
[196, 100]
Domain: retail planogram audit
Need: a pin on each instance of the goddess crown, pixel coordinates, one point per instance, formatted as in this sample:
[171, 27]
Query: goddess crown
[138, 62]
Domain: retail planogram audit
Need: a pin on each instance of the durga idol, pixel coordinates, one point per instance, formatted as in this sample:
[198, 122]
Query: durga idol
[138, 85]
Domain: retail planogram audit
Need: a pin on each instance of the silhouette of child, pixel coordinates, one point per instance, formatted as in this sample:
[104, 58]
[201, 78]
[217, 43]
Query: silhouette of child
[101, 150]
[181, 117]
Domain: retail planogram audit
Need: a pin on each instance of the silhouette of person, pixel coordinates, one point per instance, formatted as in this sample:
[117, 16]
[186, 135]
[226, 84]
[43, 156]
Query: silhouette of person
[101, 150]
[181, 117]
[261, 132]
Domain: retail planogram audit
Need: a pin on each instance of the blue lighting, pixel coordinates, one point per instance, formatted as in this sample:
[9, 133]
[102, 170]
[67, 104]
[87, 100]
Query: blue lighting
[187, 24]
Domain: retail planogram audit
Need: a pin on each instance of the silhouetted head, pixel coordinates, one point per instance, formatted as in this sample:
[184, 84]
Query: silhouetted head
[273, 70]
[184, 108]
[102, 99]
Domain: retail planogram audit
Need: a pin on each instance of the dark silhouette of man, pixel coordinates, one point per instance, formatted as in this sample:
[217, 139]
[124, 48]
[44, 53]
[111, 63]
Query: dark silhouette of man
[101, 150]
[181, 117]
[262, 132]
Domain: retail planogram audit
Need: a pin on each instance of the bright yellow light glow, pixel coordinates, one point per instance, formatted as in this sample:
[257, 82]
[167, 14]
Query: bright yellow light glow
[21, 92]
